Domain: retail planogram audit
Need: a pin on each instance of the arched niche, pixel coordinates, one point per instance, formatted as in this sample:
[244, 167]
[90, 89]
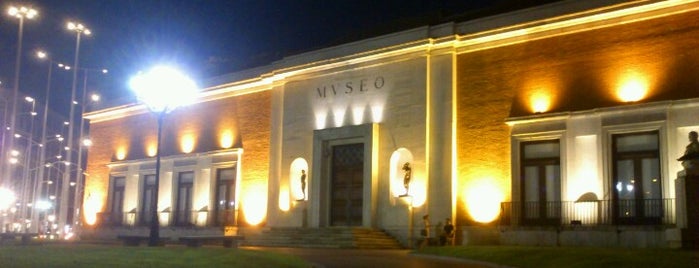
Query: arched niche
[299, 179]
[398, 170]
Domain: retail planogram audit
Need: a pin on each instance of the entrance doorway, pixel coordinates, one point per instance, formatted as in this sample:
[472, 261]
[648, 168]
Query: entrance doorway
[347, 185]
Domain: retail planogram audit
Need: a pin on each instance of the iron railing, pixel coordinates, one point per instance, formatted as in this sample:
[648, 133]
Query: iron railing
[166, 218]
[588, 213]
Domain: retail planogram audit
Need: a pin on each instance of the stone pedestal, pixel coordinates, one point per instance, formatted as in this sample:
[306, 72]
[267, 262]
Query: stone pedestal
[687, 200]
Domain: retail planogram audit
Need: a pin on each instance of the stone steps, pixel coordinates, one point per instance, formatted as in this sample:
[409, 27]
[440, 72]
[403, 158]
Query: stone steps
[330, 237]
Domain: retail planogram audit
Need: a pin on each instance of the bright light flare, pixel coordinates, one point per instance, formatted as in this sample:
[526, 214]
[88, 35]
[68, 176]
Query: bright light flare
[87, 142]
[7, 198]
[78, 27]
[483, 201]
[255, 205]
[540, 102]
[22, 12]
[284, 202]
[164, 88]
[151, 149]
[226, 139]
[187, 143]
[121, 153]
[43, 204]
[633, 86]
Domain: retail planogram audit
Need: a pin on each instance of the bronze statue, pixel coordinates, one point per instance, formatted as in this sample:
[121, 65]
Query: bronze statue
[406, 178]
[690, 159]
[303, 183]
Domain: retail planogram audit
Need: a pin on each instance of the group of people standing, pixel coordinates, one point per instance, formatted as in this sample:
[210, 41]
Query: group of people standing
[446, 237]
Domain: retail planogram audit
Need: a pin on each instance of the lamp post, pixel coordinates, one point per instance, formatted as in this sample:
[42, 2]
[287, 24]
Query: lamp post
[44, 124]
[83, 142]
[28, 161]
[162, 89]
[20, 13]
[79, 30]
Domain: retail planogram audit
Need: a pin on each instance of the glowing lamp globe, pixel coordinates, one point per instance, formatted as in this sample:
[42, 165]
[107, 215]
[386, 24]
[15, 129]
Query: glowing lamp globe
[163, 89]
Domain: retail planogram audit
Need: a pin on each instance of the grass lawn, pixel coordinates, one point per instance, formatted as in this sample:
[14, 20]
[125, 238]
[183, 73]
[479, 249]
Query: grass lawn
[119, 256]
[570, 257]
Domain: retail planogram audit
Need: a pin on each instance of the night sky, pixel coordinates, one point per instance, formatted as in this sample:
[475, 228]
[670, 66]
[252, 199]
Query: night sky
[202, 37]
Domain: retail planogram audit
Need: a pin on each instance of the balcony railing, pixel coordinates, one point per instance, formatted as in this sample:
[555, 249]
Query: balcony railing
[588, 213]
[166, 218]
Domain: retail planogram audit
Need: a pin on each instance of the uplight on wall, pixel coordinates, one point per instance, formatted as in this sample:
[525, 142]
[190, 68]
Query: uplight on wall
[483, 200]
[357, 114]
[377, 112]
[255, 204]
[339, 116]
[540, 102]
[321, 117]
[92, 205]
[284, 199]
[633, 86]
[151, 149]
[226, 139]
[187, 142]
[120, 153]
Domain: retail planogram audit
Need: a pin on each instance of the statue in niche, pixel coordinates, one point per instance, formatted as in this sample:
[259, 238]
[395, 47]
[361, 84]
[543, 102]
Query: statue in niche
[303, 184]
[406, 177]
[690, 159]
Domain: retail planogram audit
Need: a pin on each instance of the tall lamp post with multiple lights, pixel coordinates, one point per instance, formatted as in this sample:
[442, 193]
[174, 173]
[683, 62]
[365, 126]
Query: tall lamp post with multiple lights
[42, 151]
[20, 13]
[84, 142]
[162, 89]
[79, 30]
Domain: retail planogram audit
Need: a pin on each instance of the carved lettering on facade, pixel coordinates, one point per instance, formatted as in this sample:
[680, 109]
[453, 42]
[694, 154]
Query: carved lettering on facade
[350, 87]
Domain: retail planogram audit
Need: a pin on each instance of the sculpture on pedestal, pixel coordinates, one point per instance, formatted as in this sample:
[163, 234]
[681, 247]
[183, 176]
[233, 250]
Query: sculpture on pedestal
[406, 178]
[690, 159]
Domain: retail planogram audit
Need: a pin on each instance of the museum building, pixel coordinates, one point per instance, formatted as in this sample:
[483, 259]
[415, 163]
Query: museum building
[554, 125]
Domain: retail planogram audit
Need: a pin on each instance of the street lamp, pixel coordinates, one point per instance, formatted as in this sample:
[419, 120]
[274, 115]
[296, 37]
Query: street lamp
[84, 142]
[42, 153]
[79, 30]
[20, 13]
[28, 161]
[162, 89]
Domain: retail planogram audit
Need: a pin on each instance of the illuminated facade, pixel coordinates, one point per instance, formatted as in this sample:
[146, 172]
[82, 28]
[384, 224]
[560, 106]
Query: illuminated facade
[557, 125]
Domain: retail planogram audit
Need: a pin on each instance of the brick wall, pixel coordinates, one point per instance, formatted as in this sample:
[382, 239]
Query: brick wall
[580, 71]
[247, 117]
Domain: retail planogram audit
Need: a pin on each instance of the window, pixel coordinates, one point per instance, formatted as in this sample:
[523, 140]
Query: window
[183, 205]
[636, 184]
[225, 197]
[541, 182]
[147, 199]
[117, 201]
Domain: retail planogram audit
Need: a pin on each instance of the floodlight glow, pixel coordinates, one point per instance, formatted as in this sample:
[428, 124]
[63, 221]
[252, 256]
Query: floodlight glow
[7, 198]
[87, 142]
[22, 12]
[163, 89]
[43, 204]
[95, 97]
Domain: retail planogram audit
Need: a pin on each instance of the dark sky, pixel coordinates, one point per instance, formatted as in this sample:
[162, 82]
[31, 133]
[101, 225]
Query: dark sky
[202, 37]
